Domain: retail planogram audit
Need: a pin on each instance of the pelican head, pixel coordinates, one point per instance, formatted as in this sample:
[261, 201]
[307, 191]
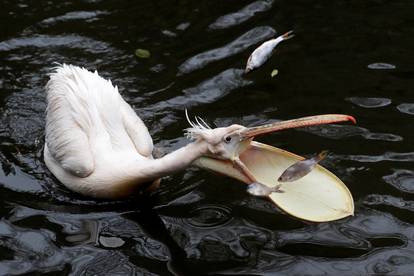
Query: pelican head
[222, 143]
[229, 143]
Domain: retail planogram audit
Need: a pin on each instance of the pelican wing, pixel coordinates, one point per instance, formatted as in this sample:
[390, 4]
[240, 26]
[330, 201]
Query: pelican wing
[137, 130]
[87, 117]
[67, 122]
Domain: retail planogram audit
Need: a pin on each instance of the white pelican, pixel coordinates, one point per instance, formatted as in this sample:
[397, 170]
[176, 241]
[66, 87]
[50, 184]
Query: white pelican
[96, 145]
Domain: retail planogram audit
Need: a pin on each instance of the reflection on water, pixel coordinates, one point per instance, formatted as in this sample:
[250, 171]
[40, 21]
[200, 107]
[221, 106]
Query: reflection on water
[381, 66]
[407, 108]
[343, 131]
[198, 223]
[387, 156]
[232, 19]
[46, 41]
[86, 16]
[402, 180]
[209, 216]
[370, 102]
[238, 45]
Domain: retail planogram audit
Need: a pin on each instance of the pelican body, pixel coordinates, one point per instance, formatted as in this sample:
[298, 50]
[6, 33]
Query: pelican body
[96, 145]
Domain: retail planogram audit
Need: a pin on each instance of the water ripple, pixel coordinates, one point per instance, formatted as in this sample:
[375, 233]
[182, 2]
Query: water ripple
[45, 229]
[388, 200]
[369, 102]
[381, 66]
[243, 42]
[392, 261]
[402, 180]
[36, 249]
[108, 263]
[209, 216]
[387, 156]
[215, 88]
[232, 19]
[236, 241]
[208, 91]
[47, 41]
[16, 180]
[33, 250]
[344, 131]
[407, 108]
[324, 234]
[22, 118]
[373, 241]
[382, 136]
[88, 16]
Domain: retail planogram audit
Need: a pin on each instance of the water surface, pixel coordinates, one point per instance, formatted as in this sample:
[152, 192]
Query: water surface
[199, 223]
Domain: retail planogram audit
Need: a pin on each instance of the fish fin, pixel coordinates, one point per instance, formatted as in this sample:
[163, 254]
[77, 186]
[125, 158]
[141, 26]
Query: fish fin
[323, 154]
[248, 67]
[288, 35]
[277, 189]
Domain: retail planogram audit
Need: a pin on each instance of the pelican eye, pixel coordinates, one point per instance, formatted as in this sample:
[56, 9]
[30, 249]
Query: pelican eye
[227, 139]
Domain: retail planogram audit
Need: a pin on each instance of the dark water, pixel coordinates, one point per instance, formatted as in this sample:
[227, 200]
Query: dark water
[199, 223]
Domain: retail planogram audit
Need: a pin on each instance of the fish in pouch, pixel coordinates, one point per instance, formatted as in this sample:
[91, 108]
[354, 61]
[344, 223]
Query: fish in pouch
[301, 168]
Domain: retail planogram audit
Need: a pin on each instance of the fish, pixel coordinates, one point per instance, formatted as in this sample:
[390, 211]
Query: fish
[259, 189]
[301, 168]
[262, 53]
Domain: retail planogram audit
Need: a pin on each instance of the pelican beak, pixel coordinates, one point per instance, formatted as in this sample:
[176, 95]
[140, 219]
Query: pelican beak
[295, 123]
[319, 196]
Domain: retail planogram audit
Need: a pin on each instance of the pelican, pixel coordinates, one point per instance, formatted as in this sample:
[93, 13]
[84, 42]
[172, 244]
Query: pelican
[96, 145]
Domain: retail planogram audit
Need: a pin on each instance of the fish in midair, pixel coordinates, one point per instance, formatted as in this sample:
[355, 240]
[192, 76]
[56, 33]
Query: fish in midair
[262, 53]
[258, 189]
[301, 168]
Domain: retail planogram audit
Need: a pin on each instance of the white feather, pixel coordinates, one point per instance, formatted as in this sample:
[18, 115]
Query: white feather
[198, 130]
[88, 122]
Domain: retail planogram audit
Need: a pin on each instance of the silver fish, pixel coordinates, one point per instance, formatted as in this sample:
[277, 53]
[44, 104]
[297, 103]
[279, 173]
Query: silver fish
[262, 53]
[301, 168]
[258, 189]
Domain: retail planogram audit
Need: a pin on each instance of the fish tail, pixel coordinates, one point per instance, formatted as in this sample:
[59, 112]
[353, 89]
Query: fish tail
[288, 35]
[322, 154]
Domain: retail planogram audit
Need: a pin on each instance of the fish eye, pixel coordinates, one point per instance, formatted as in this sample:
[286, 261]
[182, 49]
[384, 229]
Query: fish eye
[227, 139]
